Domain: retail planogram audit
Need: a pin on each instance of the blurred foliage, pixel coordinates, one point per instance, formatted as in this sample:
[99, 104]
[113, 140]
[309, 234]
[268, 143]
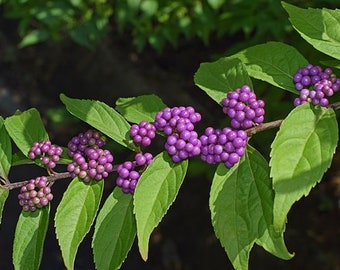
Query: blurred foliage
[39, 20]
[152, 22]
[161, 22]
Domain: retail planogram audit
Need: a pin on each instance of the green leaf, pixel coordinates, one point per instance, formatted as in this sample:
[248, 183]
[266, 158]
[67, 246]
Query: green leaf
[29, 238]
[3, 197]
[219, 77]
[34, 37]
[100, 116]
[26, 128]
[241, 200]
[274, 243]
[115, 231]
[319, 27]
[90, 32]
[5, 150]
[331, 63]
[273, 62]
[75, 215]
[301, 152]
[141, 108]
[156, 190]
[216, 4]
[19, 158]
[149, 7]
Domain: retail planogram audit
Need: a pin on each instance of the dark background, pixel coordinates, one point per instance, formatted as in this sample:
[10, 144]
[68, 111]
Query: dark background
[35, 76]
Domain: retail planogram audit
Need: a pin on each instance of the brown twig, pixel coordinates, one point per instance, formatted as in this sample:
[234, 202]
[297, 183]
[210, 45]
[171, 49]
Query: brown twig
[335, 106]
[264, 126]
[251, 131]
[277, 123]
[50, 178]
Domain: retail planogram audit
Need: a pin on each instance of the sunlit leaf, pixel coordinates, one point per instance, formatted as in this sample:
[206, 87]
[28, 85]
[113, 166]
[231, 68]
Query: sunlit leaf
[155, 192]
[141, 108]
[4, 192]
[75, 216]
[319, 27]
[100, 116]
[115, 231]
[219, 77]
[29, 239]
[25, 128]
[5, 150]
[301, 153]
[273, 62]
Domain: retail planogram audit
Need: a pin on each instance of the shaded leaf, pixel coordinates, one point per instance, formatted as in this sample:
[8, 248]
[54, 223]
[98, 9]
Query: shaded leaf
[141, 108]
[156, 190]
[19, 159]
[301, 152]
[75, 215]
[115, 231]
[241, 200]
[273, 62]
[219, 77]
[30, 233]
[331, 63]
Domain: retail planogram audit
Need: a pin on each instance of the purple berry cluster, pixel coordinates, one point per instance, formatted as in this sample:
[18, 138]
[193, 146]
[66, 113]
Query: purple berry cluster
[48, 153]
[88, 139]
[143, 133]
[35, 194]
[315, 85]
[178, 124]
[243, 108]
[90, 161]
[309, 75]
[228, 145]
[223, 145]
[95, 163]
[129, 172]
